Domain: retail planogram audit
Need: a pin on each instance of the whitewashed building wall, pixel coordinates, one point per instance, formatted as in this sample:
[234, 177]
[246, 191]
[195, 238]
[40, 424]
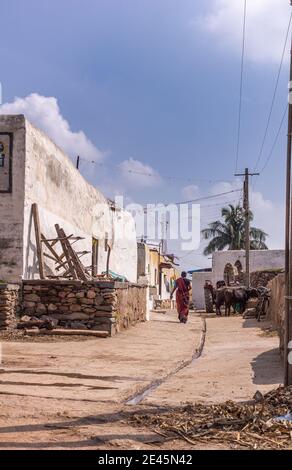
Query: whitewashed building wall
[43, 174]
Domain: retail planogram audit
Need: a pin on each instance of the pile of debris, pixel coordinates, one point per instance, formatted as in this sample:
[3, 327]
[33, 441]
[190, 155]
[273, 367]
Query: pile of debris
[263, 277]
[263, 424]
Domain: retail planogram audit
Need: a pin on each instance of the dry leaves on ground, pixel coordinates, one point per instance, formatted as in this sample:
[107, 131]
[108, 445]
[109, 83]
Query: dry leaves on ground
[252, 426]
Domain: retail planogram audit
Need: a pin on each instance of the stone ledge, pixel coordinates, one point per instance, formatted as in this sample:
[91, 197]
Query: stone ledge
[10, 287]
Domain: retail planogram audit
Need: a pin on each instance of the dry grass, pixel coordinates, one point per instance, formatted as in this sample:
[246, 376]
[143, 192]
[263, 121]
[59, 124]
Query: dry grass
[251, 426]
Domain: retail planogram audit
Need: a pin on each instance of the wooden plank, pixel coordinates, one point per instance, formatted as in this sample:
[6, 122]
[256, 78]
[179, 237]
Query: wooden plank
[58, 239]
[50, 257]
[62, 265]
[74, 259]
[79, 253]
[50, 248]
[40, 254]
[65, 332]
[66, 251]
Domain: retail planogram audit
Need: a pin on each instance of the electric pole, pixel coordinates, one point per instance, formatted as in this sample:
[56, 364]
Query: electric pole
[288, 245]
[78, 162]
[246, 175]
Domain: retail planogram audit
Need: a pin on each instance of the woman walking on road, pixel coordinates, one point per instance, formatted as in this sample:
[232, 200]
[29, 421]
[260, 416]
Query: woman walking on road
[182, 287]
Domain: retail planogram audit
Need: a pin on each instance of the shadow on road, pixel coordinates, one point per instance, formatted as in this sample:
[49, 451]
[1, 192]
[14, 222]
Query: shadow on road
[268, 368]
[98, 437]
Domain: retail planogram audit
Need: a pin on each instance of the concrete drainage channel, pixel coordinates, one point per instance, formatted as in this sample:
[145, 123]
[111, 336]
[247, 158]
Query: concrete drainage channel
[146, 391]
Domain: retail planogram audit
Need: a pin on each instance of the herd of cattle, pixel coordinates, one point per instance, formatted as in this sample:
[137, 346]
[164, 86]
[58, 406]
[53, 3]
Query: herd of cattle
[236, 297]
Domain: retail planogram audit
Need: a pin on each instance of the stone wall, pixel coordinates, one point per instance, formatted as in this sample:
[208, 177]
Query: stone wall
[99, 305]
[131, 305]
[276, 309]
[9, 305]
[260, 278]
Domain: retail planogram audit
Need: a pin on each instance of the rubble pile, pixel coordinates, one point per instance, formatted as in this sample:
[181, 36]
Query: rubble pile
[262, 278]
[263, 424]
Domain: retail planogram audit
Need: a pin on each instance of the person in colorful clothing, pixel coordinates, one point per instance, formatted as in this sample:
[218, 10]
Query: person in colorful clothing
[182, 287]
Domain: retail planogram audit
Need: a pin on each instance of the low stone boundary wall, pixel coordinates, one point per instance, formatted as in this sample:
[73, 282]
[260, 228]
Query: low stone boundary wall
[99, 305]
[9, 305]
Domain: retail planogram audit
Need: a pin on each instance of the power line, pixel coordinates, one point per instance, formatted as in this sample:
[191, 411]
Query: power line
[208, 197]
[241, 85]
[150, 175]
[207, 214]
[275, 140]
[274, 94]
[145, 209]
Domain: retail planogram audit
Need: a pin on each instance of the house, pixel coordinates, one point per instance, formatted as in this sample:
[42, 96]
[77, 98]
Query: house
[158, 271]
[229, 265]
[33, 170]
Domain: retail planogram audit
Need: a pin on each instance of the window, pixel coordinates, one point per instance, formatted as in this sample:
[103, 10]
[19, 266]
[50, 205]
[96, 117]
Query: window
[2, 155]
[6, 151]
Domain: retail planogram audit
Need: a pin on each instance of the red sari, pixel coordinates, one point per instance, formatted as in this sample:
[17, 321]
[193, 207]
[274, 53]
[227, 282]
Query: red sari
[182, 298]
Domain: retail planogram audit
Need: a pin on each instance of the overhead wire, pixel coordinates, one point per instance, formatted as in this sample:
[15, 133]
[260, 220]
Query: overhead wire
[241, 85]
[274, 96]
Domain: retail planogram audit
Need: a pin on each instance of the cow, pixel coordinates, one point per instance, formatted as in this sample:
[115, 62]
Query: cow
[219, 300]
[238, 297]
[229, 301]
[233, 297]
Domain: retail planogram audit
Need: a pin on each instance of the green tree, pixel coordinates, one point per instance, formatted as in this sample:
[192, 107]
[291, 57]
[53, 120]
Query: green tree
[230, 233]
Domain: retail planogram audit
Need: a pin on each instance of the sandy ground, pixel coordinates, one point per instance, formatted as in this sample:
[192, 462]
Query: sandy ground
[72, 395]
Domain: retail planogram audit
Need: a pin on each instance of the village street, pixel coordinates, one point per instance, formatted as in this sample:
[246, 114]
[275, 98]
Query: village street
[75, 394]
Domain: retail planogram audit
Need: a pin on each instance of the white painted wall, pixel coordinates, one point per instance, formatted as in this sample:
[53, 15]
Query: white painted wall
[198, 282]
[259, 259]
[64, 197]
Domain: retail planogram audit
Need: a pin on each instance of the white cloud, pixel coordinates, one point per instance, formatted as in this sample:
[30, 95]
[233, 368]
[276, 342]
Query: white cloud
[190, 192]
[269, 217]
[138, 174]
[267, 22]
[226, 186]
[44, 112]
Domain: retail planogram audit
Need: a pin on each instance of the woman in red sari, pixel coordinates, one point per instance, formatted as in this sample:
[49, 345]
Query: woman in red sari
[182, 287]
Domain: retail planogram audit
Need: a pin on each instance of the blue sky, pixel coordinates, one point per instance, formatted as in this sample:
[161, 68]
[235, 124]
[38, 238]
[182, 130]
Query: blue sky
[157, 81]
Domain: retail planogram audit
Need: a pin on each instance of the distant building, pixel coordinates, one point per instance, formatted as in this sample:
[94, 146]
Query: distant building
[229, 265]
[157, 270]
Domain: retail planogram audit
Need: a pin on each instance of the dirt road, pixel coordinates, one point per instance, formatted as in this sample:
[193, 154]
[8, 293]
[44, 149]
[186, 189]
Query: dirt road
[73, 395]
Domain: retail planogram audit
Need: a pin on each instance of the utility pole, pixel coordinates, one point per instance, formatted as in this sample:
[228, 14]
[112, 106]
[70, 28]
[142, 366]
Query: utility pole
[288, 245]
[78, 162]
[246, 175]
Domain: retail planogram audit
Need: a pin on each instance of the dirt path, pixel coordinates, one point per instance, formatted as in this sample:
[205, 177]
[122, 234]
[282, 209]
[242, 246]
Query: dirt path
[65, 395]
[237, 360]
[55, 395]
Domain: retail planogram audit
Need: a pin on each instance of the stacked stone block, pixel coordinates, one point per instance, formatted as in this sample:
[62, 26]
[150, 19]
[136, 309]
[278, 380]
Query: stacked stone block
[9, 305]
[81, 305]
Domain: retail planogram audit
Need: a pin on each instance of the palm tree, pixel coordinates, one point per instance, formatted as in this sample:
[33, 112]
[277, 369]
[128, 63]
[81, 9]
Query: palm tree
[230, 234]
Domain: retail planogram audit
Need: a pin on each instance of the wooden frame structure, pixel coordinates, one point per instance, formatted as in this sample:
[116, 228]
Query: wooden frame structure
[67, 260]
